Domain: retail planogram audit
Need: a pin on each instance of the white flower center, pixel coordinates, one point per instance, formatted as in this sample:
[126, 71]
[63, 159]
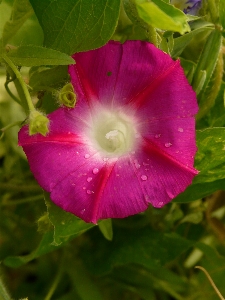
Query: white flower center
[113, 133]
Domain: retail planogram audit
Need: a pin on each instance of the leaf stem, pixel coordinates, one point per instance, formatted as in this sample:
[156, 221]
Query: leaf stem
[211, 281]
[22, 201]
[56, 280]
[2, 130]
[21, 81]
[3, 291]
[10, 93]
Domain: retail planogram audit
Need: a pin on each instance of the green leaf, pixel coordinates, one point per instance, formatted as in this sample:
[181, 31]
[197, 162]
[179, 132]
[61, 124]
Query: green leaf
[161, 15]
[189, 68]
[131, 11]
[222, 13]
[65, 224]
[82, 281]
[44, 247]
[210, 161]
[210, 158]
[76, 25]
[181, 42]
[211, 49]
[199, 190]
[142, 281]
[36, 56]
[106, 229]
[41, 77]
[207, 99]
[21, 11]
[4, 295]
[217, 113]
[147, 247]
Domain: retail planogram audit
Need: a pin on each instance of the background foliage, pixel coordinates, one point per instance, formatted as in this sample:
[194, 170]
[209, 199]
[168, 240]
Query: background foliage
[47, 253]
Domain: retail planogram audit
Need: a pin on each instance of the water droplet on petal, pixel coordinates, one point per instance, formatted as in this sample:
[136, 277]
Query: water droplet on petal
[105, 158]
[160, 204]
[170, 194]
[83, 210]
[89, 179]
[86, 155]
[180, 129]
[157, 136]
[95, 170]
[90, 192]
[144, 177]
[167, 145]
[84, 188]
[137, 165]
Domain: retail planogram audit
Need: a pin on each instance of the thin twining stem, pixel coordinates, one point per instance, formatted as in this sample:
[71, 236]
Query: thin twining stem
[211, 282]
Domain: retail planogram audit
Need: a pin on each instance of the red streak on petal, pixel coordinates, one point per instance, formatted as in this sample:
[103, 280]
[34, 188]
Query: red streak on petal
[85, 85]
[149, 147]
[140, 98]
[103, 175]
[56, 138]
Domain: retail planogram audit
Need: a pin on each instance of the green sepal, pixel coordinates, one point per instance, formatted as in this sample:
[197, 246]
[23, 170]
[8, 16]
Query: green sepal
[106, 229]
[67, 96]
[38, 123]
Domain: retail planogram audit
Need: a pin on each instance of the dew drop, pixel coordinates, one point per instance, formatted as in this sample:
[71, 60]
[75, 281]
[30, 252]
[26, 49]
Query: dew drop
[95, 170]
[160, 204]
[105, 158]
[89, 179]
[167, 145]
[137, 165]
[83, 210]
[90, 192]
[180, 129]
[170, 194]
[144, 177]
[84, 188]
[86, 156]
[157, 136]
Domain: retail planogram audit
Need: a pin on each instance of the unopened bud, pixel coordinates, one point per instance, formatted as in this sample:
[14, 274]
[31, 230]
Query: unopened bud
[38, 123]
[67, 97]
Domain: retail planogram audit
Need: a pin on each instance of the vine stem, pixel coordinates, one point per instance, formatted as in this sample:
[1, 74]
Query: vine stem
[2, 130]
[21, 81]
[57, 279]
[211, 282]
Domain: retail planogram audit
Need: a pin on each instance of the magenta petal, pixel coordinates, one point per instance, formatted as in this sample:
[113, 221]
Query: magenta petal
[111, 74]
[129, 141]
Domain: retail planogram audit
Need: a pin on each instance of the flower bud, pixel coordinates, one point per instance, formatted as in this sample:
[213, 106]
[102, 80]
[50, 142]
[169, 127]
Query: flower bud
[67, 97]
[38, 123]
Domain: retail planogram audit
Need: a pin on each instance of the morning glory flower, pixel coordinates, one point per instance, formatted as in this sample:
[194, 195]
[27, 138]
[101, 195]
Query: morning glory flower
[130, 139]
[188, 6]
